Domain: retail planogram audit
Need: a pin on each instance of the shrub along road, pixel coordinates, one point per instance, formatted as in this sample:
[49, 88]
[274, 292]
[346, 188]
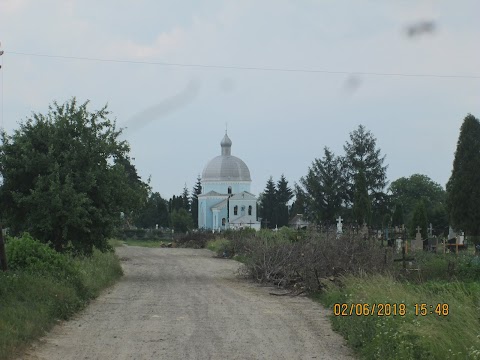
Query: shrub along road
[186, 304]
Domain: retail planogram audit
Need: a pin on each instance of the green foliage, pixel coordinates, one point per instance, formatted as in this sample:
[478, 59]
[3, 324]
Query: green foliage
[408, 337]
[361, 154]
[268, 204]
[181, 220]
[462, 187]
[222, 247]
[67, 177]
[43, 286]
[323, 188]
[284, 195]
[419, 219]
[408, 191]
[398, 218]
[361, 202]
[274, 202]
[30, 255]
[147, 243]
[142, 234]
[197, 190]
[154, 212]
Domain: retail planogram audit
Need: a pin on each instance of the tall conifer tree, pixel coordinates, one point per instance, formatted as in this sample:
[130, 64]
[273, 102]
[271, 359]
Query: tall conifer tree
[361, 154]
[197, 190]
[268, 204]
[284, 195]
[463, 187]
[323, 188]
[361, 202]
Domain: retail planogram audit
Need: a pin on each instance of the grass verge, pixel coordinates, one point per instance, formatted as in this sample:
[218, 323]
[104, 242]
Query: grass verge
[32, 302]
[454, 336]
[146, 243]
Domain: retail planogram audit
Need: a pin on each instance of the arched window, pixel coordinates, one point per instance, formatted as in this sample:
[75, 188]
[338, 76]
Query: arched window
[235, 210]
[250, 210]
[229, 189]
[223, 221]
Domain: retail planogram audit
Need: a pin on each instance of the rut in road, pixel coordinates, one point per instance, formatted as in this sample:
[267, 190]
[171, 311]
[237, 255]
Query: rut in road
[186, 304]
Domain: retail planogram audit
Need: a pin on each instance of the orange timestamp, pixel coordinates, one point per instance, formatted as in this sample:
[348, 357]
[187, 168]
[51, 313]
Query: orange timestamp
[389, 309]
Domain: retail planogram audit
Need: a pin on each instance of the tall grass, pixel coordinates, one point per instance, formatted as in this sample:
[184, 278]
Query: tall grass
[33, 296]
[455, 336]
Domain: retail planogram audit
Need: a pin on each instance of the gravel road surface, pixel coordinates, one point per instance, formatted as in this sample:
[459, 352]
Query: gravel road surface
[187, 304]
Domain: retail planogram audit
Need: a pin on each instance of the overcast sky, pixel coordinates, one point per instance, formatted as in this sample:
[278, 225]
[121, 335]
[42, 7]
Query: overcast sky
[279, 121]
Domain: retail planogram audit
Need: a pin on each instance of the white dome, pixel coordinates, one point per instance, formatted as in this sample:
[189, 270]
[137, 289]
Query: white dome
[226, 167]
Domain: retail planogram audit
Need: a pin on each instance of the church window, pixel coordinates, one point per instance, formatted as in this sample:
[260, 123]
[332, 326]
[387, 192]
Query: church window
[235, 210]
[250, 210]
[229, 189]
[223, 221]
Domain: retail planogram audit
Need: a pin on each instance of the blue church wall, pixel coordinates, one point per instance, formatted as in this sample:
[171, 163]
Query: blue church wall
[222, 187]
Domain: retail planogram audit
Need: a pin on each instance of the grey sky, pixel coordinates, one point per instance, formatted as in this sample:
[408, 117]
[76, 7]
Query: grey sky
[278, 121]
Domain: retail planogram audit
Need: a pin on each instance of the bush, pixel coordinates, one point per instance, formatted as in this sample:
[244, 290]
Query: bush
[308, 259]
[196, 240]
[42, 286]
[222, 247]
[29, 255]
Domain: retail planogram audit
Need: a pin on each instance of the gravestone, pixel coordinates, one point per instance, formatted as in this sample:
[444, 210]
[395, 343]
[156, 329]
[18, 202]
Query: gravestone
[417, 244]
[430, 231]
[451, 233]
[398, 243]
[339, 225]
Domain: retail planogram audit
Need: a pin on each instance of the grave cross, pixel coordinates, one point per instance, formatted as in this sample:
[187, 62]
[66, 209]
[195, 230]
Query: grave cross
[418, 229]
[430, 230]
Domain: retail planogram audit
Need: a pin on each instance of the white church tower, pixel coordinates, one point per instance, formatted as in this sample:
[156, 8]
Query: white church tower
[226, 201]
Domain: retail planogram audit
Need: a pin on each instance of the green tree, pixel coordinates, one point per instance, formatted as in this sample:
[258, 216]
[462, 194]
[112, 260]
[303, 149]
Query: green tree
[361, 203]
[323, 187]
[155, 211]
[186, 198]
[197, 190]
[398, 218]
[67, 177]
[407, 191]
[419, 219]
[463, 190]
[268, 204]
[361, 154]
[176, 203]
[298, 205]
[284, 195]
[181, 220]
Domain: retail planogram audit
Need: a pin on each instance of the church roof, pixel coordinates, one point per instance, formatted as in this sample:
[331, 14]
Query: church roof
[244, 195]
[226, 167]
[220, 205]
[212, 193]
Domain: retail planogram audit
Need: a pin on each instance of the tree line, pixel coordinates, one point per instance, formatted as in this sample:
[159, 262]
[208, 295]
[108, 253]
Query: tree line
[354, 186]
[179, 213]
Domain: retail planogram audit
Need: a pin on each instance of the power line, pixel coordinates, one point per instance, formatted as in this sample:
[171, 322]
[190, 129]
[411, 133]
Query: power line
[251, 68]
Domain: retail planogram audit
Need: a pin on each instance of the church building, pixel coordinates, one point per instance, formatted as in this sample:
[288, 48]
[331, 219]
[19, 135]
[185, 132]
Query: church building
[226, 201]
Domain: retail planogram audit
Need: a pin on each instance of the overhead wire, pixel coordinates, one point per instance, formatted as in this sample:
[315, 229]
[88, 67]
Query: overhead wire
[248, 68]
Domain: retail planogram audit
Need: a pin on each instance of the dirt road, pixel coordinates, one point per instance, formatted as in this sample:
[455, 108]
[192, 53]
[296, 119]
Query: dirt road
[186, 304]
